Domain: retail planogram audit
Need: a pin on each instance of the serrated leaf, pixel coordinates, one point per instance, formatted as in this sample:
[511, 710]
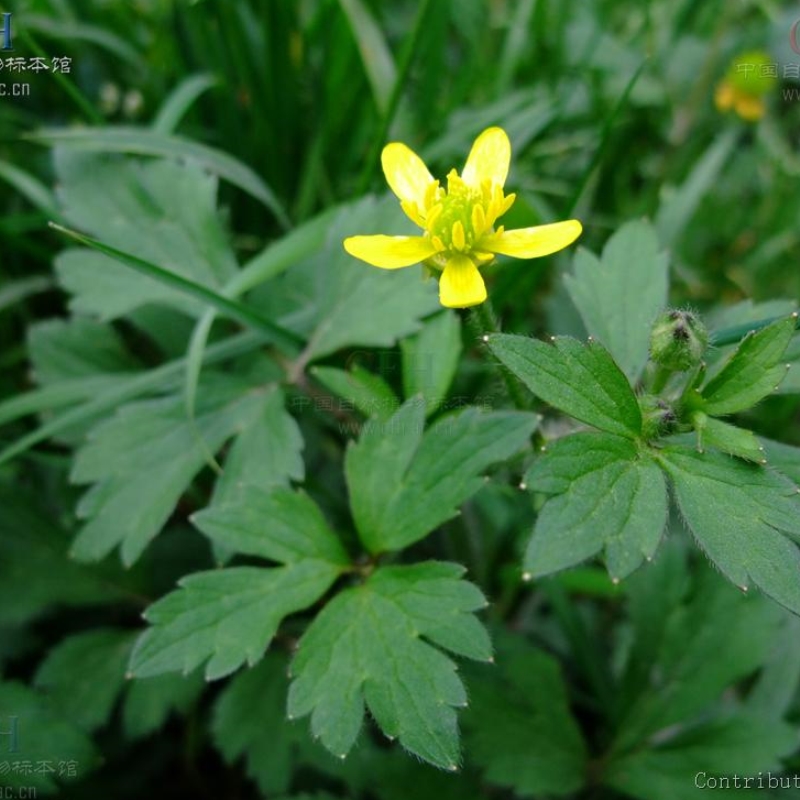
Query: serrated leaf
[267, 452]
[42, 735]
[362, 389]
[118, 200]
[727, 438]
[690, 764]
[620, 294]
[279, 525]
[61, 350]
[430, 359]
[225, 618]
[142, 460]
[403, 484]
[250, 720]
[752, 372]
[609, 496]
[150, 701]
[741, 515]
[580, 380]
[519, 728]
[377, 645]
[698, 650]
[84, 674]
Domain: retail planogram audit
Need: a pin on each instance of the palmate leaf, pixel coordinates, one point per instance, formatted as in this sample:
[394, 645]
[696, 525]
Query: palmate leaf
[142, 460]
[608, 496]
[581, 380]
[377, 645]
[160, 211]
[743, 516]
[620, 294]
[403, 483]
[227, 617]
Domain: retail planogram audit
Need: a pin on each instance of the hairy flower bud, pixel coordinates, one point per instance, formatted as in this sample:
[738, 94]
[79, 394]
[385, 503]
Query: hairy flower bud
[678, 340]
[658, 417]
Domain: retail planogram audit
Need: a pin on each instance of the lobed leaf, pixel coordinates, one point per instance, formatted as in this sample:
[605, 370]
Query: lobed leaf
[580, 380]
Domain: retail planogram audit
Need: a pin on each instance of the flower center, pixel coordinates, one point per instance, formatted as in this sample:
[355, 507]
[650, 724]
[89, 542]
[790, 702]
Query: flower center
[457, 218]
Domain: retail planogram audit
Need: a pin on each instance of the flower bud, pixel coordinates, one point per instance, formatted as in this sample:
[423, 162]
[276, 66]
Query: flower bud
[658, 417]
[678, 340]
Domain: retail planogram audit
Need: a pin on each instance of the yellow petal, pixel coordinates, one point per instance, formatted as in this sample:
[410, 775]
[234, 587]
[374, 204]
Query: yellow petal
[406, 173]
[390, 252]
[461, 284]
[749, 108]
[541, 240]
[724, 97]
[489, 159]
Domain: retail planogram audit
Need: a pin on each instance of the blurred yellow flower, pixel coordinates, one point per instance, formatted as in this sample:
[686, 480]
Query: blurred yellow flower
[749, 79]
[458, 223]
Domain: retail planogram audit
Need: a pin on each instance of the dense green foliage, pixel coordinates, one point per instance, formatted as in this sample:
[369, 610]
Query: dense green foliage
[275, 524]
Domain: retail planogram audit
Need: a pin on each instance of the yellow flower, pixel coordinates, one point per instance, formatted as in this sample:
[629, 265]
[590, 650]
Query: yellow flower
[749, 79]
[458, 223]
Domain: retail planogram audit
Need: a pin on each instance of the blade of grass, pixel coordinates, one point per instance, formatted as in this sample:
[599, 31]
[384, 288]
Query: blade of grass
[140, 141]
[605, 135]
[30, 188]
[375, 53]
[180, 100]
[406, 61]
[276, 258]
[229, 308]
[736, 333]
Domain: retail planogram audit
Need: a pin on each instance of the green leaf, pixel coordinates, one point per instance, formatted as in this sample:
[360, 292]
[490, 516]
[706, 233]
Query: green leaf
[620, 294]
[180, 100]
[142, 460]
[35, 573]
[336, 301]
[229, 616]
[140, 141]
[225, 618]
[609, 496]
[403, 484]
[43, 735]
[230, 308]
[364, 390]
[430, 359]
[728, 438]
[280, 525]
[161, 211]
[698, 650]
[691, 764]
[267, 452]
[741, 515]
[84, 674]
[250, 720]
[377, 645]
[580, 380]
[150, 701]
[680, 204]
[519, 728]
[753, 371]
[62, 350]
